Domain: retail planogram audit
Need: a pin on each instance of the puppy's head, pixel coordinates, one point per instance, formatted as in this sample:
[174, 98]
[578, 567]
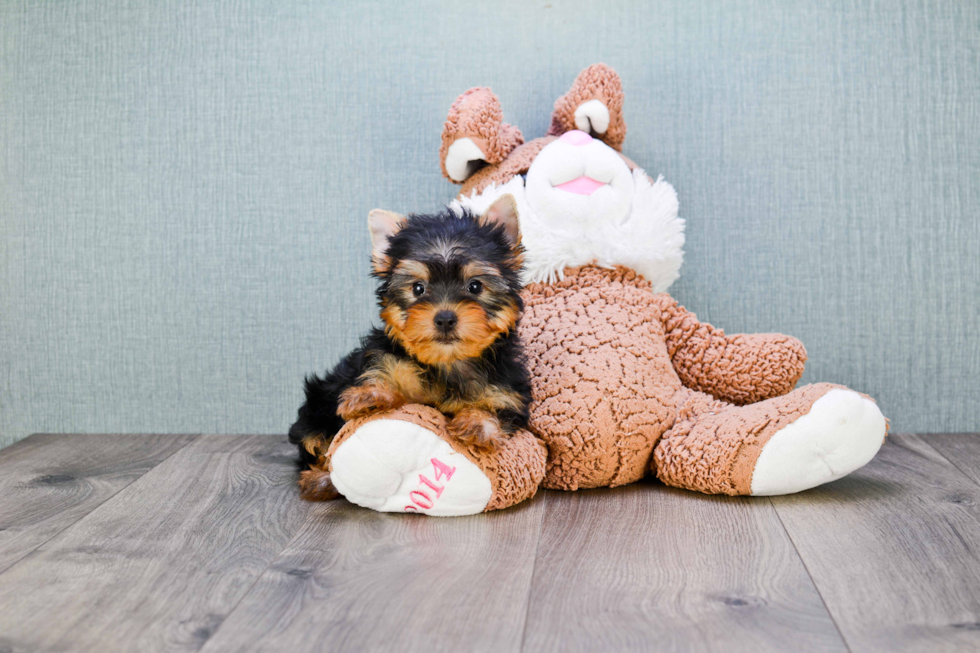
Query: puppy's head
[450, 286]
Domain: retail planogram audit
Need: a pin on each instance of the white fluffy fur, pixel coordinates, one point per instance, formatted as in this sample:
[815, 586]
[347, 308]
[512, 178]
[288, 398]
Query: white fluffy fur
[650, 240]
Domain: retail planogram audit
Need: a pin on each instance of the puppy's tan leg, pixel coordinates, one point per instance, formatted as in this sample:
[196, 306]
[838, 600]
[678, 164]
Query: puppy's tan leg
[362, 400]
[477, 428]
[315, 485]
[316, 444]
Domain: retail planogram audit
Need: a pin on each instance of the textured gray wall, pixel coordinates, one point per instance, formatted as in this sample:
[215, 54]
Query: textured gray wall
[183, 186]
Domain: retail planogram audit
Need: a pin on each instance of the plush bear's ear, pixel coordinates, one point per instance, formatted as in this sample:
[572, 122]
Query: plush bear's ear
[594, 105]
[475, 134]
[382, 225]
[503, 212]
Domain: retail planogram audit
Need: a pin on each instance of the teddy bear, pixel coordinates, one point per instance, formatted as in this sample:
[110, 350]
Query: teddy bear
[625, 381]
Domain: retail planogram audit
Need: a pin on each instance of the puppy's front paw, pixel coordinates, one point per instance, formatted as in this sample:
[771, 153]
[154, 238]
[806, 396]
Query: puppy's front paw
[361, 400]
[478, 429]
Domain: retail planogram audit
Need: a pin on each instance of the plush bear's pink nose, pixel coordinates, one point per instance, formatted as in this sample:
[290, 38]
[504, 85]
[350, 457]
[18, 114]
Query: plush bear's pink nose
[576, 138]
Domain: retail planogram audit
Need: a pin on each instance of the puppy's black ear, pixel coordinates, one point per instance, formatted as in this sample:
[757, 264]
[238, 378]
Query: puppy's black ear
[382, 225]
[503, 213]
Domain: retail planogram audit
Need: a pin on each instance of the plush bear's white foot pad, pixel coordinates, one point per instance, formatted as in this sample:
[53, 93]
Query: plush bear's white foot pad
[394, 466]
[842, 432]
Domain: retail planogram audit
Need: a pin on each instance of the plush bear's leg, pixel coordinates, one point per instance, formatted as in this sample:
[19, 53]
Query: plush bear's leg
[403, 461]
[808, 437]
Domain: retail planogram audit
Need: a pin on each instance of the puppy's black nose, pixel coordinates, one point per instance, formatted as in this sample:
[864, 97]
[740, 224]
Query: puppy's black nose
[445, 321]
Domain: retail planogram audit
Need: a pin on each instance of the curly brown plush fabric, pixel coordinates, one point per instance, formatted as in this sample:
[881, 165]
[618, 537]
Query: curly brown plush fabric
[476, 114]
[515, 470]
[741, 369]
[602, 382]
[609, 363]
[597, 82]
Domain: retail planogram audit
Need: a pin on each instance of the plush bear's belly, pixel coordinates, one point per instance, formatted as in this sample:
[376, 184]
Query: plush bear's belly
[602, 380]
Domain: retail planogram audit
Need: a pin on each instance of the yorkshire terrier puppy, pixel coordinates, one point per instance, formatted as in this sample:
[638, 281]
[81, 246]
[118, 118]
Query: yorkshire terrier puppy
[449, 291]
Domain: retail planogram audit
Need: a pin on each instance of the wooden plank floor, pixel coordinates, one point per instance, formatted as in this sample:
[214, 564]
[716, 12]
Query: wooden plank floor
[199, 543]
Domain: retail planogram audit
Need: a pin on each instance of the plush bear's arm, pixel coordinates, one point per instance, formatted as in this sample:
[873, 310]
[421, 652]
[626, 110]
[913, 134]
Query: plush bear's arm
[740, 369]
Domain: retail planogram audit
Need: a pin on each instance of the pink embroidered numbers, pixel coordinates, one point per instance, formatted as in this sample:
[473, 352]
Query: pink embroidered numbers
[420, 497]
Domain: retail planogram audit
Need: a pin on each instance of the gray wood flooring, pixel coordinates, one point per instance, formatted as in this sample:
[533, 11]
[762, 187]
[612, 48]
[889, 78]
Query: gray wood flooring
[200, 543]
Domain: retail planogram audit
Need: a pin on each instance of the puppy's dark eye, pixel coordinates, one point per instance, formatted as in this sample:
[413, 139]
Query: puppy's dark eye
[418, 288]
[475, 287]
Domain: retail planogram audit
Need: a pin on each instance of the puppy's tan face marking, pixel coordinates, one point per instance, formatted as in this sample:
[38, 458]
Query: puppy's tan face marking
[478, 269]
[475, 293]
[414, 269]
[475, 330]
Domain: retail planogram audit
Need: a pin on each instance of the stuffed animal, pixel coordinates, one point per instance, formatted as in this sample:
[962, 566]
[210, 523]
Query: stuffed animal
[625, 382]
